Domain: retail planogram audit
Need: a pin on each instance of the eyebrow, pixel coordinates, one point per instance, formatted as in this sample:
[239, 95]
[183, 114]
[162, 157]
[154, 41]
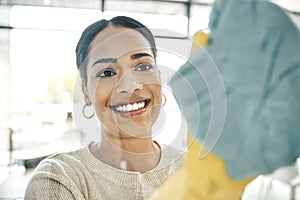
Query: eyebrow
[139, 55]
[113, 60]
[105, 60]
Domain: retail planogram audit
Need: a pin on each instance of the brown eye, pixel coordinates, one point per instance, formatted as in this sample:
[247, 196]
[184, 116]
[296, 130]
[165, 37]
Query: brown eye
[106, 73]
[144, 67]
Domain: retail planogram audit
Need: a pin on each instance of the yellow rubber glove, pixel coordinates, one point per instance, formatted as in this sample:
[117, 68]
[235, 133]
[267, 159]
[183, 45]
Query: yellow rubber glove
[201, 179]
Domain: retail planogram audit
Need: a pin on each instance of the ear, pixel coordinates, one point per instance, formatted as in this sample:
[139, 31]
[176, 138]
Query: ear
[85, 94]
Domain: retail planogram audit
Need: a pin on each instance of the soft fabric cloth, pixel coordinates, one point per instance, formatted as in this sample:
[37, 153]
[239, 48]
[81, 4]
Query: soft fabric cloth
[79, 175]
[201, 178]
[256, 49]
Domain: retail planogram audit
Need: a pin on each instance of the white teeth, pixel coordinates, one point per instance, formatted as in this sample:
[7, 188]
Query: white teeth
[130, 107]
[139, 105]
[135, 106]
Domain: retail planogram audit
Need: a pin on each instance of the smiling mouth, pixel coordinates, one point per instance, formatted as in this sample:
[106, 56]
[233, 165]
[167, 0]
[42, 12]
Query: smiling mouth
[130, 107]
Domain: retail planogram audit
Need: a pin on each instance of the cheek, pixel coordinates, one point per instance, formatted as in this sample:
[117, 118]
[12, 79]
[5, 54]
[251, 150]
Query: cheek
[102, 95]
[153, 83]
[157, 102]
[157, 93]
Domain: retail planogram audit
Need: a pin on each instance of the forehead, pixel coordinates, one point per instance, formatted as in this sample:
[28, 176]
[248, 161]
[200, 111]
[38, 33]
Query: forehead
[115, 41]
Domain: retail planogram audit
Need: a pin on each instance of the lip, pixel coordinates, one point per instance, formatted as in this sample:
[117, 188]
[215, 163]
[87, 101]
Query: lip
[133, 100]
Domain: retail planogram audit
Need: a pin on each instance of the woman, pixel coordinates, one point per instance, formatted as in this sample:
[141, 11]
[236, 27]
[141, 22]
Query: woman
[121, 82]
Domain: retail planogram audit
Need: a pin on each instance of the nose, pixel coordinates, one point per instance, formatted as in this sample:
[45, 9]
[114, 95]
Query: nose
[128, 83]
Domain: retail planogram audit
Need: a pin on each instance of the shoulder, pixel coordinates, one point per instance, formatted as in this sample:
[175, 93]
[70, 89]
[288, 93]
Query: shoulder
[61, 166]
[171, 157]
[63, 160]
[59, 172]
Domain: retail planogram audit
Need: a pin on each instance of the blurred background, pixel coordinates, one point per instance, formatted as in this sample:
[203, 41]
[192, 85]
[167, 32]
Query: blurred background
[38, 70]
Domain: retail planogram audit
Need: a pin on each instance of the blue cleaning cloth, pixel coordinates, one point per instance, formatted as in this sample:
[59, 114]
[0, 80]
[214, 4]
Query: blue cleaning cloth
[256, 49]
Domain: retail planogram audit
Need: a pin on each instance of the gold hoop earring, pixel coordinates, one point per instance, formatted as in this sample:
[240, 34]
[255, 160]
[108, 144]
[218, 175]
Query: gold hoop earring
[83, 112]
[165, 101]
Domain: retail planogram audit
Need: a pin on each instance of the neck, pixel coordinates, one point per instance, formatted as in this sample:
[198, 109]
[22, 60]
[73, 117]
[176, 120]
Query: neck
[127, 153]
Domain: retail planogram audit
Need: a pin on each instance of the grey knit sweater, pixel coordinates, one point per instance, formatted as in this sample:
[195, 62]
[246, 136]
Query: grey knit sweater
[79, 175]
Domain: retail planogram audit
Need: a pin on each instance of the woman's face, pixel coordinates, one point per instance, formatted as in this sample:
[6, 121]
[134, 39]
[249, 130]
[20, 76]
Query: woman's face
[123, 82]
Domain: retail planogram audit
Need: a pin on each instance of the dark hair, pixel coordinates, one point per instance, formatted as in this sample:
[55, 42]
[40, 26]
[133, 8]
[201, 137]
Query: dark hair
[88, 35]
